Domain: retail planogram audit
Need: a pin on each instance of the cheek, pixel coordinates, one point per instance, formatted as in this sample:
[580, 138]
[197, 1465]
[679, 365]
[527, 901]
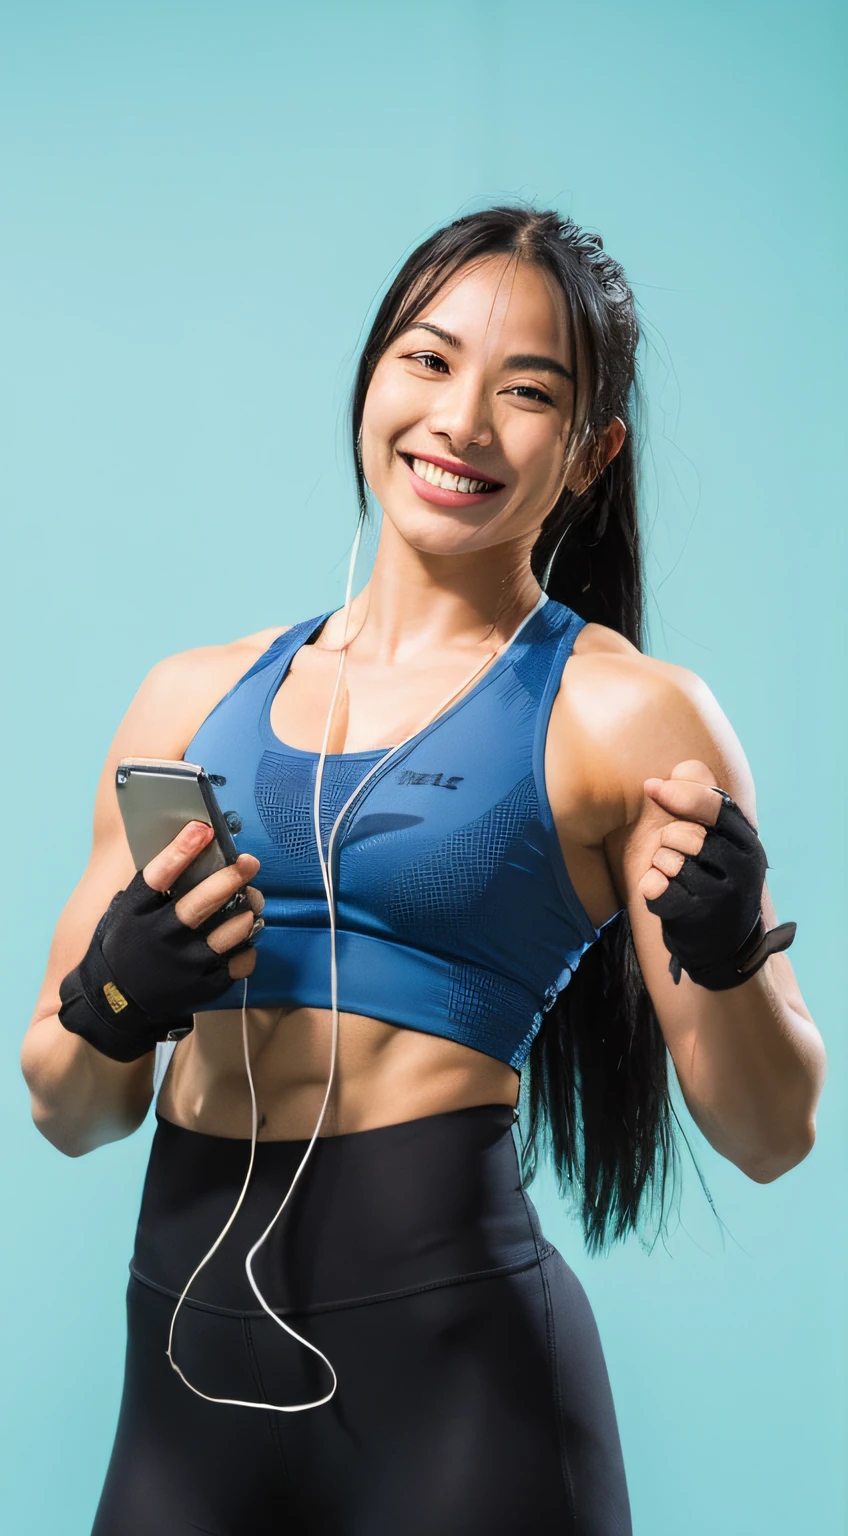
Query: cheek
[541, 462]
[390, 405]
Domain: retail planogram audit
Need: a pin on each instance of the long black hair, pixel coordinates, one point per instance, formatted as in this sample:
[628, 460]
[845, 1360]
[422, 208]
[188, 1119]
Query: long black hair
[595, 1091]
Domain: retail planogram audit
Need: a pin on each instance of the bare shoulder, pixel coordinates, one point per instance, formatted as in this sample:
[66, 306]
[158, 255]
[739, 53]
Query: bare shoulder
[169, 707]
[632, 716]
[607, 668]
[181, 690]
[209, 664]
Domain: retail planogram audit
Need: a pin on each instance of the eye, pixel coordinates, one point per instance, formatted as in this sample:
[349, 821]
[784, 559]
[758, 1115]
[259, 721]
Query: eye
[529, 390]
[419, 357]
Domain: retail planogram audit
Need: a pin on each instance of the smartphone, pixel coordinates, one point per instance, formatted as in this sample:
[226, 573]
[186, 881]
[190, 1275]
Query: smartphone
[157, 799]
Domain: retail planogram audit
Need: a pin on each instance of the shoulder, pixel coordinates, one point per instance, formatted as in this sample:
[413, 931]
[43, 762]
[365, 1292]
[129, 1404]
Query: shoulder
[172, 702]
[214, 666]
[611, 682]
[182, 689]
[631, 716]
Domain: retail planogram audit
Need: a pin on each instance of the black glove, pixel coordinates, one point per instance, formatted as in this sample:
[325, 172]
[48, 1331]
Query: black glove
[711, 920]
[143, 976]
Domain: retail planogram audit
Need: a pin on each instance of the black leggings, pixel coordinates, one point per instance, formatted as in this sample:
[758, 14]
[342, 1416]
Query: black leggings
[472, 1392]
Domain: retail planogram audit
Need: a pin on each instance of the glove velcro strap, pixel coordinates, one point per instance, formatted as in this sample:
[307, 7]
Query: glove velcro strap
[95, 1007]
[749, 958]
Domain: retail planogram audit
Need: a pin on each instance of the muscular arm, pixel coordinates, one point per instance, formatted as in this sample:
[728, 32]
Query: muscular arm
[80, 1098]
[749, 1060]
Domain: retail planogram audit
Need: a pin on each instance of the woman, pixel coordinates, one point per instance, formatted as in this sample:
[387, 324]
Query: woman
[558, 808]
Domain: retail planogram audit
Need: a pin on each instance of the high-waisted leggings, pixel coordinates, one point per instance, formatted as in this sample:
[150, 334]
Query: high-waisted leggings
[472, 1398]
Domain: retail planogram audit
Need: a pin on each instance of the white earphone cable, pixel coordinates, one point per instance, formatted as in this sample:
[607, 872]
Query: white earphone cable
[326, 873]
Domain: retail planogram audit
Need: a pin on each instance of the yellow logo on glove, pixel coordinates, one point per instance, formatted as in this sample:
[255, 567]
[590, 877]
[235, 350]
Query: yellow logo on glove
[114, 998]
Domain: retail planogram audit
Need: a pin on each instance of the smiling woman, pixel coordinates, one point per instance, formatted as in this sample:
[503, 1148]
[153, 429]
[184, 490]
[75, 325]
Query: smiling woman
[548, 883]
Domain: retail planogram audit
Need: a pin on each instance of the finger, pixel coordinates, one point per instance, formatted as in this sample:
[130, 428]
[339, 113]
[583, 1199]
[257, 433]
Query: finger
[233, 931]
[669, 861]
[695, 770]
[652, 884]
[162, 871]
[684, 836]
[256, 899]
[685, 798]
[210, 895]
[242, 964]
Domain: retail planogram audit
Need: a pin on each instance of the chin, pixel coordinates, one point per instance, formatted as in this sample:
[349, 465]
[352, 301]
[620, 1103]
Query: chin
[442, 534]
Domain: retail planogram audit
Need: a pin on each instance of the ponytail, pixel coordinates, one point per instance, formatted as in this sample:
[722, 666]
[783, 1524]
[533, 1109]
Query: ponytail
[595, 1089]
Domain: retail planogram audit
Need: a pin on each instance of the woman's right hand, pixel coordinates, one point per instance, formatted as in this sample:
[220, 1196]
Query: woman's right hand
[152, 962]
[211, 894]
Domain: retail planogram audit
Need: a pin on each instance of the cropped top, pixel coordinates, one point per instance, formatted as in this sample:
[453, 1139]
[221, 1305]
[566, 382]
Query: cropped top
[455, 913]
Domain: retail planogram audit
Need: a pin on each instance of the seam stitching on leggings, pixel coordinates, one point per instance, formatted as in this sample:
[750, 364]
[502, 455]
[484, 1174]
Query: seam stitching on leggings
[272, 1418]
[556, 1393]
[354, 1301]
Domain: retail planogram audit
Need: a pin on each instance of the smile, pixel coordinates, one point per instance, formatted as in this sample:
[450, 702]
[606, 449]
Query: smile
[459, 488]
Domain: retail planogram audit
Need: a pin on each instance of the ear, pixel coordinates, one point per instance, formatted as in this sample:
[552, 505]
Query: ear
[613, 440]
[601, 453]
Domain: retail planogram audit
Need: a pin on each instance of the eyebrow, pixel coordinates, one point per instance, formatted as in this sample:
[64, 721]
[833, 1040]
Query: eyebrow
[520, 360]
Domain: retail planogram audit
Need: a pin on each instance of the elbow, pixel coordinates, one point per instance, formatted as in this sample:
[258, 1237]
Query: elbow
[780, 1160]
[61, 1136]
[75, 1139]
[48, 1124]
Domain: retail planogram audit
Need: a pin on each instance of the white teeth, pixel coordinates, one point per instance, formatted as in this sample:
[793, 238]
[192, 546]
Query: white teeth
[436, 476]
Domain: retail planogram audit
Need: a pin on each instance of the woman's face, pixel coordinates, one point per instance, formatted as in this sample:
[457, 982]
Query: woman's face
[481, 382]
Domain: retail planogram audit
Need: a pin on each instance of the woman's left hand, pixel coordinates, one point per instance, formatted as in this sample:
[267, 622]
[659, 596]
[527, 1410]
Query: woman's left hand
[689, 797]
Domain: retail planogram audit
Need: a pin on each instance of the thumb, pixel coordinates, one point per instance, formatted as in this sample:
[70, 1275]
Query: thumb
[162, 871]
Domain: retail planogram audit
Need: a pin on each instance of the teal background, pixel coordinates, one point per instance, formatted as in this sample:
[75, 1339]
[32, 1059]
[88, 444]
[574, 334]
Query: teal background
[201, 205]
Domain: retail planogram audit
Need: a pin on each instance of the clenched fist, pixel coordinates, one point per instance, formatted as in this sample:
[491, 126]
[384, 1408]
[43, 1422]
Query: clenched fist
[705, 882]
[689, 796]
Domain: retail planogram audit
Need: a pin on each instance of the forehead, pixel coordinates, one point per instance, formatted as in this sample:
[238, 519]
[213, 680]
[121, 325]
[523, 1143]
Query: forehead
[503, 305]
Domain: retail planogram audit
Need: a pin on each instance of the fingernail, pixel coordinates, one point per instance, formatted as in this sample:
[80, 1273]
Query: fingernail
[198, 831]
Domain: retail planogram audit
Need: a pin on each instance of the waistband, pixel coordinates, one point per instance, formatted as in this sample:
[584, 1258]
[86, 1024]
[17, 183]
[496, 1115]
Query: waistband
[375, 1214]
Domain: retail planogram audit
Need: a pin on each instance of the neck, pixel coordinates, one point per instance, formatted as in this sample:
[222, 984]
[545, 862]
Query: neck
[415, 600]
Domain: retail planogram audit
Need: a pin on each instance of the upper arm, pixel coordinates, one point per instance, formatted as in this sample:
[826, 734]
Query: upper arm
[172, 702]
[678, 720]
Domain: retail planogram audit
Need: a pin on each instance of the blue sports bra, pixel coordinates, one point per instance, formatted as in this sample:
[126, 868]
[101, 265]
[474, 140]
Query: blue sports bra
[455, 912]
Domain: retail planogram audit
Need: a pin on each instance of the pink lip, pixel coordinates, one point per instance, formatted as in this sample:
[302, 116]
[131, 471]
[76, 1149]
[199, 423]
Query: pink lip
[454, 466]
[443, 498]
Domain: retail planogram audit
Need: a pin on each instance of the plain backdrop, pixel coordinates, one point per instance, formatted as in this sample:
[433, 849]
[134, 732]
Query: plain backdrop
[202, 204]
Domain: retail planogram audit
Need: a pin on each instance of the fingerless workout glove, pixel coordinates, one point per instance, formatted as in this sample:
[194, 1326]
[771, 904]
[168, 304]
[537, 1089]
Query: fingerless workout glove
[143, 976]
[711, 920]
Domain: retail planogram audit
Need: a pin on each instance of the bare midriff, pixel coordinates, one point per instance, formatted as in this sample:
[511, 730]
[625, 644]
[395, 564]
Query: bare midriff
[384, 1074]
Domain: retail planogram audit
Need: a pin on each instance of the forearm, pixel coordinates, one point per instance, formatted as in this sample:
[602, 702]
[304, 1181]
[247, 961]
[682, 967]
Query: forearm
[82, 1099]
[751, 1065]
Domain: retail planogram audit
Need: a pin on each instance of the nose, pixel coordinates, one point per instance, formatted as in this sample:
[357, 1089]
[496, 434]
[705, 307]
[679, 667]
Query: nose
[463, 413]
